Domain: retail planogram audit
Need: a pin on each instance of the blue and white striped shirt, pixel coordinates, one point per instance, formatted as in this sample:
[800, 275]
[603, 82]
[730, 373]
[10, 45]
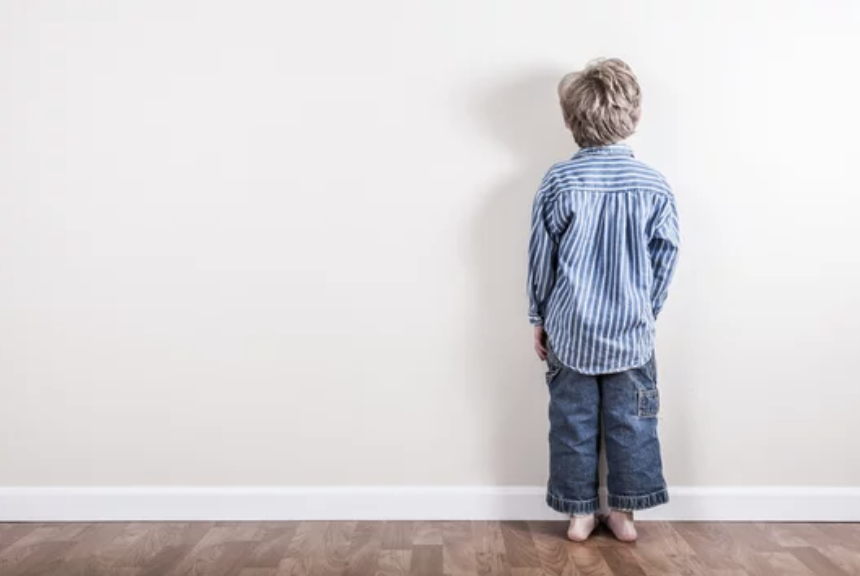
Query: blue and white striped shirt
[603, 249]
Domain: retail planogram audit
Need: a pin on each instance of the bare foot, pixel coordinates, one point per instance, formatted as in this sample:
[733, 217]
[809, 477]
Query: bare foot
[621, 524]
[581, 527]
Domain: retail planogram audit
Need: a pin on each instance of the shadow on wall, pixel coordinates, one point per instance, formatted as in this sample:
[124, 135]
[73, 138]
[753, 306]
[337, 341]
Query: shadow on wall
[522, 116]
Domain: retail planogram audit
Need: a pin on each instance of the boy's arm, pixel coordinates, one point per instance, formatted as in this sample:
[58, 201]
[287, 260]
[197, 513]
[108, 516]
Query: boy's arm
[542, 253]
[663, 248]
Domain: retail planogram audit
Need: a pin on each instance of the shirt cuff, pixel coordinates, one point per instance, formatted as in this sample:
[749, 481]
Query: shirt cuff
[535, 320]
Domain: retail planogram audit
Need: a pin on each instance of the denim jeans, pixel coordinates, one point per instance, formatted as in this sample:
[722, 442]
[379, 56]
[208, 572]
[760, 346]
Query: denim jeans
[623, 407]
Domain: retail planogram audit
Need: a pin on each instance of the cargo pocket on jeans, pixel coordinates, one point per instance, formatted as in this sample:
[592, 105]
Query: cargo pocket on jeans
[649, 403]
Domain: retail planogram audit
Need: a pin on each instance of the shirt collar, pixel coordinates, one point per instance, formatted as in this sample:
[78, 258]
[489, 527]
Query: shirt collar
[611, 150]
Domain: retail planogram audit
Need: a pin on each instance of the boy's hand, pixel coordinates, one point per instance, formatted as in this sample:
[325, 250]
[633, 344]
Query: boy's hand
[540, 342]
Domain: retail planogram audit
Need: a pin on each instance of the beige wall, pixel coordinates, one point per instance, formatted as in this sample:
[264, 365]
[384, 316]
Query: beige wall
[283, 243]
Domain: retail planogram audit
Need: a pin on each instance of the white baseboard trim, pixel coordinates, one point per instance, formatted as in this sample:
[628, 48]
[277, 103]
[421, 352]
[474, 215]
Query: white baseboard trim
[21, 504]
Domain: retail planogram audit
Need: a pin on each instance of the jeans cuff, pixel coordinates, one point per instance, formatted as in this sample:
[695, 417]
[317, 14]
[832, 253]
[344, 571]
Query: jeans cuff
[631, 503]
[572, 507]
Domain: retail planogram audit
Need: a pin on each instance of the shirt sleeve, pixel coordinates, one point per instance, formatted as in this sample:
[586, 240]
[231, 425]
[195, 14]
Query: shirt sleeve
[542, 253]
[663, 249]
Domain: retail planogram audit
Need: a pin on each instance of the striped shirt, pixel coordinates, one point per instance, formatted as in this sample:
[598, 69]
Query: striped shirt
[603, 249]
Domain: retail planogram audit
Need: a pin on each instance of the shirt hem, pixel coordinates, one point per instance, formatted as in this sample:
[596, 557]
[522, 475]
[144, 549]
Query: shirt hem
[607, 370]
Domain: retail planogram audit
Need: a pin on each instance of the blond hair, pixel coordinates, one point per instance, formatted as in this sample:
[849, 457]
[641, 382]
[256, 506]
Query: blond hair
[601, 104]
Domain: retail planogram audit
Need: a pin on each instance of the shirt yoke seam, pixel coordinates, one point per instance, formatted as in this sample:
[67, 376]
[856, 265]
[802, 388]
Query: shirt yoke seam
[634, 189]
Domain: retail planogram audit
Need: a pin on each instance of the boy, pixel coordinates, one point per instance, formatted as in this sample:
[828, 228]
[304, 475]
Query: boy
[603, 249]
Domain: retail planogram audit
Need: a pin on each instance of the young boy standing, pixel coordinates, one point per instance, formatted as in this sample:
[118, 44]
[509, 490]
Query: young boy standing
[603, 249]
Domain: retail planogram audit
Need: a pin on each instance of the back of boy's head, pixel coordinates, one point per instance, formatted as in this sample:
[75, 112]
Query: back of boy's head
[601, 104]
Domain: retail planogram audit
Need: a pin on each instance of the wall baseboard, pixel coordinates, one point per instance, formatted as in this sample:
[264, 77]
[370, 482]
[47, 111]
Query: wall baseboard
[22, 504]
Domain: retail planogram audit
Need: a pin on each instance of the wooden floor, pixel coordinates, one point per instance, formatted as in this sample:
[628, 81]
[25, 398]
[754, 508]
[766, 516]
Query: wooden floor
[424, 549]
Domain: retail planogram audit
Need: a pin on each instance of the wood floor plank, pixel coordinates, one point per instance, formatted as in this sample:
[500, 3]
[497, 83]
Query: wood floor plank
[35, 559]
[99, 552]
[458, 549]
[302, 548]
[95, 538]
[11, 533]
[817, 562]
[660, 550]
[364, 547]
[622, 561]
[293, 566]
[37, 550]
[272, 545]
[753, 536]
[847, 535]
[178, 543]
[520, 546]
[394, 562]
[426, 560]
[429, 533]
[713, 546]
[54, 533]
[490, 552]
[397, 535]
[318, 549]
[152, 540]
[219, 560]
[746, 548]
[550, 541]
[258, 572]
[526, 572]
[786, 564]
[221, 551]
[589, 561]
[246, 532]
[85, 556]
[336, 539]
[848, 559]
[793, 535]
[111, 554]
